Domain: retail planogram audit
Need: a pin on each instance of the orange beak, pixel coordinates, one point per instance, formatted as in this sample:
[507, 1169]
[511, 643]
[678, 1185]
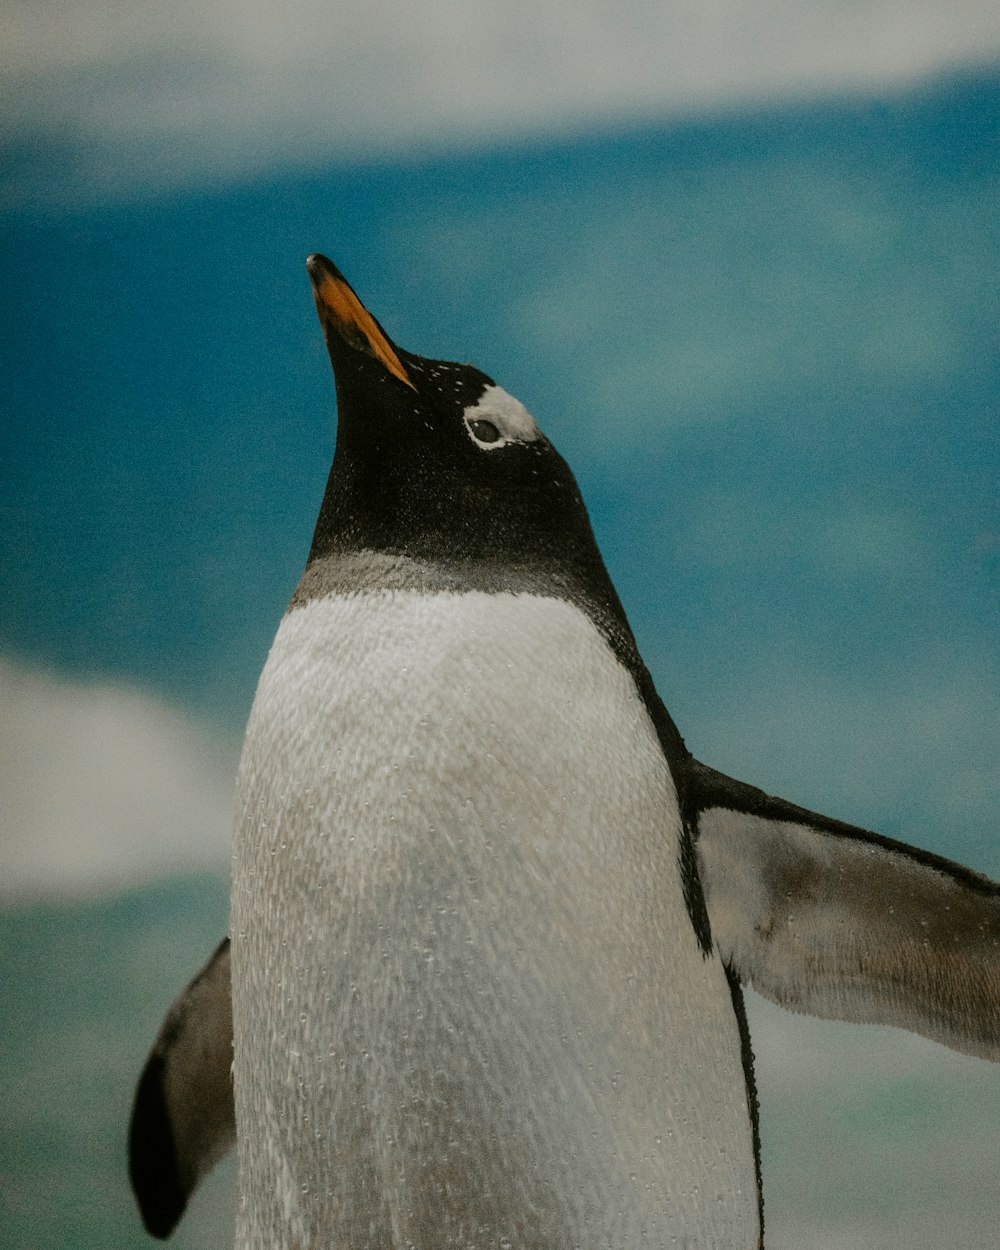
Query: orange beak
[341, 312]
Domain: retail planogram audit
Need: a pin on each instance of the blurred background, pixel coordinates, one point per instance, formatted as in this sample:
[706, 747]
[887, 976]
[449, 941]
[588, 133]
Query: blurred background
[741, 262]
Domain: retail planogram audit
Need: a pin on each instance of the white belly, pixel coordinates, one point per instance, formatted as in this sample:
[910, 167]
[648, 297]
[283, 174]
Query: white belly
[470, 1009]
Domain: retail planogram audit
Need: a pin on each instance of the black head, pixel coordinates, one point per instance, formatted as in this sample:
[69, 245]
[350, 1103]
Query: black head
[435, 461]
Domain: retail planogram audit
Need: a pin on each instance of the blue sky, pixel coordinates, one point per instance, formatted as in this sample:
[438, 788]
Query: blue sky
[739, 261]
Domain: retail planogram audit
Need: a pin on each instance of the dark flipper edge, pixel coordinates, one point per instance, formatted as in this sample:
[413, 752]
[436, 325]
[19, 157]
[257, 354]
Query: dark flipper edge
[183, 1120]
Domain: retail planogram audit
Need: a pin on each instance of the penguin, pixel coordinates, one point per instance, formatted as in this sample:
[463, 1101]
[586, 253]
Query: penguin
[491, 920]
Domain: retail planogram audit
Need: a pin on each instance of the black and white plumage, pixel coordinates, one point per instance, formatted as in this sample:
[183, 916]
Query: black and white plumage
[490, 918]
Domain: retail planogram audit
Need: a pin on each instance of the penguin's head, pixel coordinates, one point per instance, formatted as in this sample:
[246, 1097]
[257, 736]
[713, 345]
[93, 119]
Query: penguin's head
[433, 459]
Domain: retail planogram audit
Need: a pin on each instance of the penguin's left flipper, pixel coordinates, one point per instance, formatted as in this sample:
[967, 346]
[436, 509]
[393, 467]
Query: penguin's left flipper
[183, 1120]
[833, 921]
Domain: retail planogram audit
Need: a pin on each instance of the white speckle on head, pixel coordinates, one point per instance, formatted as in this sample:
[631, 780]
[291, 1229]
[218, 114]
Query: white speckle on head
[513, 421]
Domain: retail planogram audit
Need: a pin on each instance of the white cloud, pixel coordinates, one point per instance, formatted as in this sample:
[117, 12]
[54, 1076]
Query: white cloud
[101, 787]
[224, 86]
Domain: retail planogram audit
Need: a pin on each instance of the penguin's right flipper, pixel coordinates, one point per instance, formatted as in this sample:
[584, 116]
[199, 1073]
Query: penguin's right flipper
[183, 1120]
[834, 921]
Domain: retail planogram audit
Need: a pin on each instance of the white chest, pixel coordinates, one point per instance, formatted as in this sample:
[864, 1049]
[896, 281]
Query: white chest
[469, 1004]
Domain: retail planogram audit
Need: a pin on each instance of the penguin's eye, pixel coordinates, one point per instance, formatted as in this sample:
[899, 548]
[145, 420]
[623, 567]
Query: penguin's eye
[484, 431]
[497, 420]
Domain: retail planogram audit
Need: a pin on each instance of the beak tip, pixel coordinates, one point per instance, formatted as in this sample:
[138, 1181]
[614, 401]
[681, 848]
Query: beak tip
[319, 267]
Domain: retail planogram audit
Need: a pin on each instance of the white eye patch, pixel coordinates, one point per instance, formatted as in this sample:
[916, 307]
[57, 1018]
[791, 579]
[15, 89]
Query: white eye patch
[498, 419]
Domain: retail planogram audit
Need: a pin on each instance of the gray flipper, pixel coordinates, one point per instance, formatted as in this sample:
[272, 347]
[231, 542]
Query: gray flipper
[183, 1120]
[834, 921]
